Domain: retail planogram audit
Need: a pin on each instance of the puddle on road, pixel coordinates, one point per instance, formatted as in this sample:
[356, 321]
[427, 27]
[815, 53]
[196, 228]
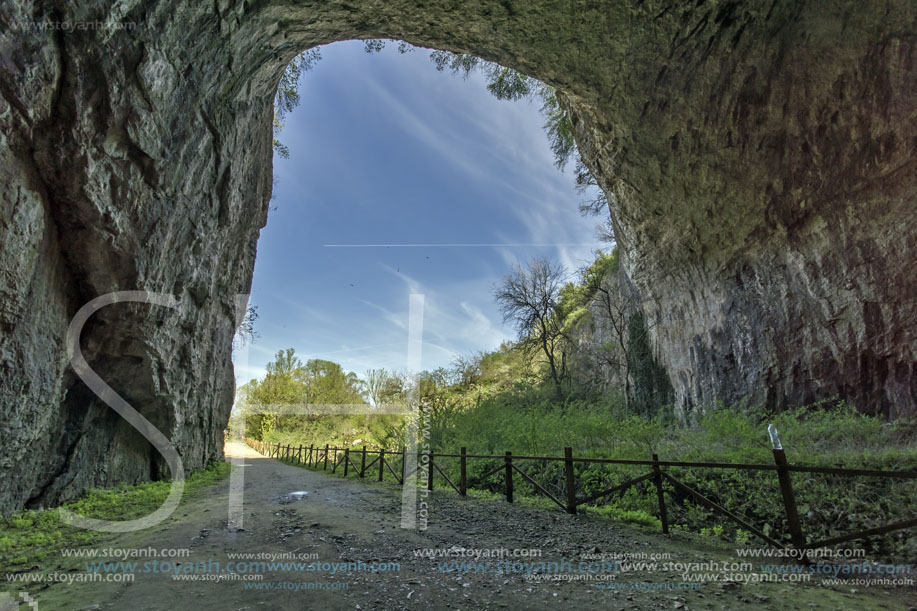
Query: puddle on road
[292, 497]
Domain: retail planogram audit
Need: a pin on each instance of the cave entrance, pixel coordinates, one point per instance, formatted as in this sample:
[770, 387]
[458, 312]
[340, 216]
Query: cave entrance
[393, 179]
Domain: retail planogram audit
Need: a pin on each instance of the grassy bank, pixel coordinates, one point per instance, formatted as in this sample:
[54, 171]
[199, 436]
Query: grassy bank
[31, 538]
[828, 434]
[530, 421]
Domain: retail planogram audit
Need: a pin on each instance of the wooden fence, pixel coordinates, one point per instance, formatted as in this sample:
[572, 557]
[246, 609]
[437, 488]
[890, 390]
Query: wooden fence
[316, 457]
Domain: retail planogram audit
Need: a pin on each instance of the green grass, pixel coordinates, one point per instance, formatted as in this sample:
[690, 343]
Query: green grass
[28, 538]
[831, 433]
[633, 516]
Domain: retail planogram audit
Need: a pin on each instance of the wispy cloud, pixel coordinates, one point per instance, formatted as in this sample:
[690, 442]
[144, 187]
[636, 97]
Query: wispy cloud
[468, 180]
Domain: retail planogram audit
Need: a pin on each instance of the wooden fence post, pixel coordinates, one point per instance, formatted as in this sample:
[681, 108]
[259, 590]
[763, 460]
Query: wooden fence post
[363, 462]
[325, 466]
[334, 461]
[463, 473]
[657, 477]
[430, 470]
[309, 460]
[381, 463]
[299, 455]
[509, 477]
[789, 500]
[346, 461]
[570, 480]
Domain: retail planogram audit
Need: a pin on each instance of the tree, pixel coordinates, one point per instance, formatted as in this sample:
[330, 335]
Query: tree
[438, 407]
[385, 386]
[465, 370]
[290, 382]
[645, 382]
[617, 307]
[375, 382]
[245, 333]
[394, 388]
[528, 298]
[287, 96]
[325, 382]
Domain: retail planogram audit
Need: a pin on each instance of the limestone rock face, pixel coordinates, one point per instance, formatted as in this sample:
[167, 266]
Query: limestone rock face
[760, 158]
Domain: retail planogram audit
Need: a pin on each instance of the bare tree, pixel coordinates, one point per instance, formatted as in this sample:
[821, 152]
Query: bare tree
[528, 298]
[619, 306]
[245, 332]
[375, 384]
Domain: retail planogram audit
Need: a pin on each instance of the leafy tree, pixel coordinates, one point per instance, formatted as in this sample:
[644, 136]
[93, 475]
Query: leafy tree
[559, 129]
[327, 382]
[394, 388]
[438, 406]
[528, 297]
[287, 96]
[288, 381]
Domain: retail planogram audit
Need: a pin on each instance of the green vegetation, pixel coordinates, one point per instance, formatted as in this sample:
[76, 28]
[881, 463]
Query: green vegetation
[527, 421]
[287, 405]
[33, 537]
[549, 390]
[287, 96]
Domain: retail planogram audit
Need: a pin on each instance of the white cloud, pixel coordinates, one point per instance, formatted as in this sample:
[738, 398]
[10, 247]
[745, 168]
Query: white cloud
[496, 148]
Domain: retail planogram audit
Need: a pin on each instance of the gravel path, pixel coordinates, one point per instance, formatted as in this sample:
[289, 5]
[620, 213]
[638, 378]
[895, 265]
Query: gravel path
[348, 521]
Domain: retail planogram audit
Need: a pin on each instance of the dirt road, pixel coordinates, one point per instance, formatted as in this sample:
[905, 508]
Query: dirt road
[353, 555]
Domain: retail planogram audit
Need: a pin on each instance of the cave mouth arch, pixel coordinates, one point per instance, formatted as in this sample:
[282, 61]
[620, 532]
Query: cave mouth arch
[762, 158]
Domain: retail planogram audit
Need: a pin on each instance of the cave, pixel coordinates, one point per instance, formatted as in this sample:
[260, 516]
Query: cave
[759, 157]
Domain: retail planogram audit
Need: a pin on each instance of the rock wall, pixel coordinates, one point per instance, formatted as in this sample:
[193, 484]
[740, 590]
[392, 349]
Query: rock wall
[761, 156]
[763, 159]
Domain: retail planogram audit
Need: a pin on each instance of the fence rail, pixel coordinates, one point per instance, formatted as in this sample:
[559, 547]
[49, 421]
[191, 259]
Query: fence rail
[315, 457]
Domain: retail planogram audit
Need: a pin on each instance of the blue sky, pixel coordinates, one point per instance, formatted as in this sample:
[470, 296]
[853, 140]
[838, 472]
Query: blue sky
[385, 150]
